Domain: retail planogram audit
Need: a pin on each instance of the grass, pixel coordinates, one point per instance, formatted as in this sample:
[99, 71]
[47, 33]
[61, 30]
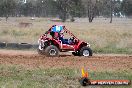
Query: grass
[19, 77]
[103, 36]
[108, 49]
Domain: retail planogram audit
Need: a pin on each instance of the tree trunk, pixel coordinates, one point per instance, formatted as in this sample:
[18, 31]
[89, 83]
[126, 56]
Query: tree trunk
[111, 11]
[91, 9]
[6, 17]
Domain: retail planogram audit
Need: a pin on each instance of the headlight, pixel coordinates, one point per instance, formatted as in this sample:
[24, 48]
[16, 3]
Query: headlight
[88, 45]
[39, 41]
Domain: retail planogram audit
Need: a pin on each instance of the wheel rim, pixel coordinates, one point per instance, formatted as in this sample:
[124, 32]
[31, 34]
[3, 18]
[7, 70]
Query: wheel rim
[85, 53]
[52, 52]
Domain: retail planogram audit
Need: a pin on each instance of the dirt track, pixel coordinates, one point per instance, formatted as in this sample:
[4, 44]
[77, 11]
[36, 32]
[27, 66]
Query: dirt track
[31, 59]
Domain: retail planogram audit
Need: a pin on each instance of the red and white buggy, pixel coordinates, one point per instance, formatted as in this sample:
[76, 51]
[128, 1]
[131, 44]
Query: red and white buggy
[52, 42]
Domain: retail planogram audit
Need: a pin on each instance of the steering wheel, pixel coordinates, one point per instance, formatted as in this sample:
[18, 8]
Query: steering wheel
[71, 40]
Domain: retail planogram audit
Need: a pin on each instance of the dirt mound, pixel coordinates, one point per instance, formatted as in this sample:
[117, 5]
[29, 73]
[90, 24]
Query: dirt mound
[31, 59]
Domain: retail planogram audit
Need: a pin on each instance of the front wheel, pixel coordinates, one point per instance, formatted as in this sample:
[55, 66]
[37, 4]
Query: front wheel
[85, 51]
[52, 51]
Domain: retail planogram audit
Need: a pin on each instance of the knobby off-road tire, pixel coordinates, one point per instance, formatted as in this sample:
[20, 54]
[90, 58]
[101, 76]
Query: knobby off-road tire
[52, 51]
[86, 51]
[12, 46]
[24, 46]
[2, 45]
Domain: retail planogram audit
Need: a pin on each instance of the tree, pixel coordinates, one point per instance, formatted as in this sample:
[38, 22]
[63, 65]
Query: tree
[62, 8]
[111, 11]
[67, 8]
[7, 8]
[45, 8]
[76, 9]
[91, 8]
[127, 7]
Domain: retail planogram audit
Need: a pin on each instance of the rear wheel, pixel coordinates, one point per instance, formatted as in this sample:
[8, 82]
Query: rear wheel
[85, 51]
[52, 51]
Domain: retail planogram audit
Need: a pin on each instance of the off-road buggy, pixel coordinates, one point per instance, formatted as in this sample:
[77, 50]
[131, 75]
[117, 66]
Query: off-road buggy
[52, 42]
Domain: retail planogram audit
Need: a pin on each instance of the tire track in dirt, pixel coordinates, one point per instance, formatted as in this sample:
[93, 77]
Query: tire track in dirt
[94, 63]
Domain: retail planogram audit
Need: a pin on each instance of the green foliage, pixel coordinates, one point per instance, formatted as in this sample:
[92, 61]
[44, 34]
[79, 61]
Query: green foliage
[73, 8]
[42, 8]
[64, 8]
[127, 7]
[76, 8]
[7, 7]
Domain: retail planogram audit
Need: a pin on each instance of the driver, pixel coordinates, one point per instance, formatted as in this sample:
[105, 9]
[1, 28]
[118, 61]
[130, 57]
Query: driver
[55, 31]
[61, 37]
[65, 41]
